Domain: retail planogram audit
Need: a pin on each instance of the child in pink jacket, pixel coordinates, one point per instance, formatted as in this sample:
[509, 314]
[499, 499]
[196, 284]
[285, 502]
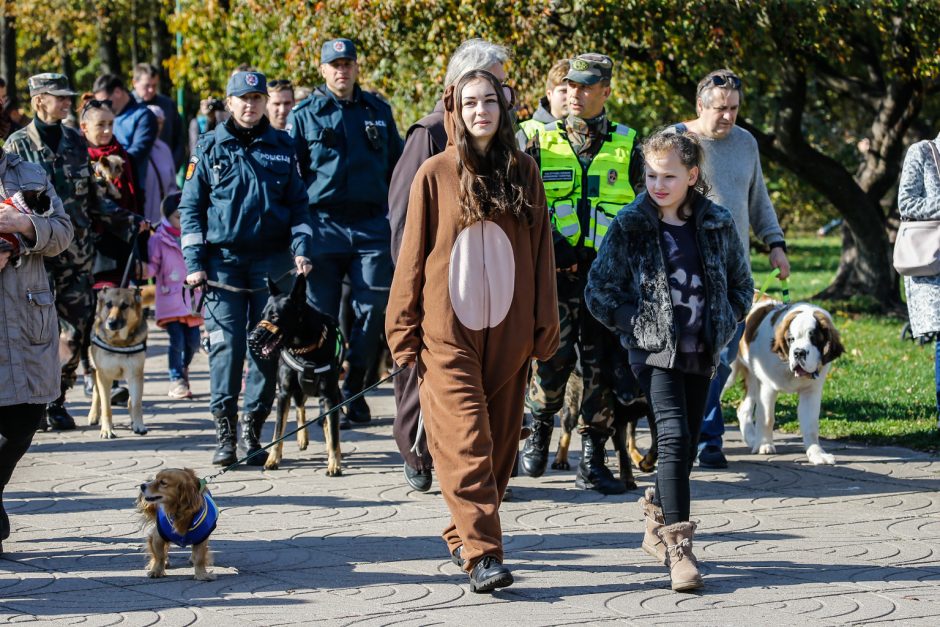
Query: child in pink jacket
[173, 307]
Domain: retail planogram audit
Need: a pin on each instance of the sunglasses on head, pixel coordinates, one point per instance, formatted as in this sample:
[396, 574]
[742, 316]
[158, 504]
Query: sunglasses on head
[280, 82]
[96, 104]
[726, 80]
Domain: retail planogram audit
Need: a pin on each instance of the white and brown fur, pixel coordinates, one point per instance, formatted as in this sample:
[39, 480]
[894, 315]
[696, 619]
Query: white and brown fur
[624, 438]
[785, 349]
[119, 322]
[178, 491]
[107, 170]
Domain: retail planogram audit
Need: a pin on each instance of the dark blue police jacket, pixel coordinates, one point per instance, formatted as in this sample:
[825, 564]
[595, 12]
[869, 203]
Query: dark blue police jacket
[249, 200]
[347, 151]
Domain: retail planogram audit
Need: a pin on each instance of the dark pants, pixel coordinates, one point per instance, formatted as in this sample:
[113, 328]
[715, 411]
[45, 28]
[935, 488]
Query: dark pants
[713, 425]
[184, 342]
[677, 400]
[937, 378]
[18, 423]
[229, 317]
[405, 428]
[359, 250]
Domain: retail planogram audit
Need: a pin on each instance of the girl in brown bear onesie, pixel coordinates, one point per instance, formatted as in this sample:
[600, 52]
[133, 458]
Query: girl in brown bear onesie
[472, 302]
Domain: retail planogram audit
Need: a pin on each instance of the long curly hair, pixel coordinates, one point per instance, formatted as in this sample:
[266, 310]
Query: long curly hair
[689, 150]
[491, 184]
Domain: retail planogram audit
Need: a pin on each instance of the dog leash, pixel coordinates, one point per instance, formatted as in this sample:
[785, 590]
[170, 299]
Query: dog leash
[244, 290]
[784, 286]
[205, 481]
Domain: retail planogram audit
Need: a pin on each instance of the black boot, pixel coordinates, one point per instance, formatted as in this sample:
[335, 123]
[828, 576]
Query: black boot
[489, 574]
[225, 434]
[535, 450]
[57, 416]
[251, 438]
[593, 473]
[357, 412]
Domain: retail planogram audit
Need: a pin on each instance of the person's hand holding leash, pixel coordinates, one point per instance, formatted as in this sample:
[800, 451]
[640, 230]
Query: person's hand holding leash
[303, 265]
[196, 278]
[778, 259]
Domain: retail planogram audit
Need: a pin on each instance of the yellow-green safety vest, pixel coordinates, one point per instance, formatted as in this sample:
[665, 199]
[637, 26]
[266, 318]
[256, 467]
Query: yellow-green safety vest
[607, 187]
[531, 127]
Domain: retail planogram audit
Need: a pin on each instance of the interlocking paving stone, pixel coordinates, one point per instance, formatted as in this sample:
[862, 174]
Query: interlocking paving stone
[780, 541]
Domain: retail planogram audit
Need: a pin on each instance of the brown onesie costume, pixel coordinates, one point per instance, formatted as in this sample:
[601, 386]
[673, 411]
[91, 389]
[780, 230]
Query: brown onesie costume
[472, 305]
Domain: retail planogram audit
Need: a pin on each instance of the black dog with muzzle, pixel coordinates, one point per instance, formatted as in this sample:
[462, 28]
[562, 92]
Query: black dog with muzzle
[310, 348]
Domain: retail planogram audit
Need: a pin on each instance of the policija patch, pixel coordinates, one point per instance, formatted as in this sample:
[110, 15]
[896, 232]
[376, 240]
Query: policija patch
[553, 176]
[191, 168]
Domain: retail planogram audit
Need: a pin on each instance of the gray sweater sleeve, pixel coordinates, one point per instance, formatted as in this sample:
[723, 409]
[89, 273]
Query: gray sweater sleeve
[919, 191]
[760, 210]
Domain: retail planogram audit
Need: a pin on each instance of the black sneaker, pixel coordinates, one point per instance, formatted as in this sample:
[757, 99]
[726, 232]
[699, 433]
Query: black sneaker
[712, 457]
[420, 480]
[59, 418]
[120, 395]
[489, 574]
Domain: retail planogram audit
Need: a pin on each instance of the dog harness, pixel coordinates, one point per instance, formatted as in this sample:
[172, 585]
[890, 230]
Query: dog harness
[124, 350]
[202, 526]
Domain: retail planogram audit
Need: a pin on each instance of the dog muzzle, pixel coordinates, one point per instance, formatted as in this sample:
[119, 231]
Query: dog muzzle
[264, 341]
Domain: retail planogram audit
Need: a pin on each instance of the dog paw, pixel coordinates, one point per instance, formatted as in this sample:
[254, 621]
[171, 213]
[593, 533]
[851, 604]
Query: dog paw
[107, 434]
[156, 573]
[334, 471]
[270, 465]
[140, 430]
[766, 449]
[561, 465]
[205, 576]
[818, 457]
[302, 443]
[629, 485]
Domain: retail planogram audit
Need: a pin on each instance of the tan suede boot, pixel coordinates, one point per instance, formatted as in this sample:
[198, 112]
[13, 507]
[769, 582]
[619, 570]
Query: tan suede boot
[654, 520]
[683, 567]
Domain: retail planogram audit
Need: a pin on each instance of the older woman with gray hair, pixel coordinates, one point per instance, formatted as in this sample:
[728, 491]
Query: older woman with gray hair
[919, 199]
[424, 139]
[29, 363]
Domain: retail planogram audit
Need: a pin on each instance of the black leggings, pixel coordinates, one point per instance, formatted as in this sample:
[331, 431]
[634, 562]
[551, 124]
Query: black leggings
[678, 400]
[18, 423]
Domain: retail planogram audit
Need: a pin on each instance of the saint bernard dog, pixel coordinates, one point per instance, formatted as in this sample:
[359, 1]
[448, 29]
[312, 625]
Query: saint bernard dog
[789, 349]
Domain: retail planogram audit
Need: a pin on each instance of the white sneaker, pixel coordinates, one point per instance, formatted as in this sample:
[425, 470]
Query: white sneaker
[179, 390]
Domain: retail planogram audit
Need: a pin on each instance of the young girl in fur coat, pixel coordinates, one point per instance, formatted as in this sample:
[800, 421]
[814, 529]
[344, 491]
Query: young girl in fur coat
[472, 302]
[672, 281]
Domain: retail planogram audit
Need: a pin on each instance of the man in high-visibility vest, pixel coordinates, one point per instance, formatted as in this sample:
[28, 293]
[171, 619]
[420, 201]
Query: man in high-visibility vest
[590, 167]
[553, 105]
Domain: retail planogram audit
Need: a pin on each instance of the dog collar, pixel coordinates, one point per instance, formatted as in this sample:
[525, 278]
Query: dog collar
[294, 364]
[124, 350]
[309, 348]
[201, 527]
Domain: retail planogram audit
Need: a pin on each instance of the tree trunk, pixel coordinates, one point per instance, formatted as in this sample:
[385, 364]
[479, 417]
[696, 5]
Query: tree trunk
[8, 56]
[107, 41]
[65, 53]
[160, 44]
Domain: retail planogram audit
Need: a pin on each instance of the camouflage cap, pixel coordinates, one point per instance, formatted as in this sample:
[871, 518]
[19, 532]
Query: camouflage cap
[590, 68]
[49, 83]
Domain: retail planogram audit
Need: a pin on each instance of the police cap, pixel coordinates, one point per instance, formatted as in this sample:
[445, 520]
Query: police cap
[337, 49]
[242, 83]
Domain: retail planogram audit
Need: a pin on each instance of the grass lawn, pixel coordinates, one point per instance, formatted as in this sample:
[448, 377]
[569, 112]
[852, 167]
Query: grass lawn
[881, 391]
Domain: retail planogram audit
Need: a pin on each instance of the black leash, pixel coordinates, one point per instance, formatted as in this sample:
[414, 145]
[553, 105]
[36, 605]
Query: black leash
[204, 481]
[244, 290]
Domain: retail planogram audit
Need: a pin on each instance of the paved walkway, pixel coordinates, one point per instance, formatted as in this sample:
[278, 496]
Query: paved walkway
[782, 542]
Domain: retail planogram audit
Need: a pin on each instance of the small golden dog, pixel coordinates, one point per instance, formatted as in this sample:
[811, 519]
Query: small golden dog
[176, 510]
[118, 350]
[107, 170]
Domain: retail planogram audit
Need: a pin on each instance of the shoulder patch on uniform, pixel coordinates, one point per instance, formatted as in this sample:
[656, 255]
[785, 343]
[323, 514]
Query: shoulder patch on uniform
[191, 168]
[550, 176]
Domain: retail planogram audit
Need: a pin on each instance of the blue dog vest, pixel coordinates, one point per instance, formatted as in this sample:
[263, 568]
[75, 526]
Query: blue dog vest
[202, 526]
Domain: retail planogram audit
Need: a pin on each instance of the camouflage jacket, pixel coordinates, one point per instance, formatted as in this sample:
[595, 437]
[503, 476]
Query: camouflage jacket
[74, 181]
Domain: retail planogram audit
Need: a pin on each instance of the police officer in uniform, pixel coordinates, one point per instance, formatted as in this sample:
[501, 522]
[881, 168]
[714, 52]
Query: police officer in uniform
[590, 167]
[347, 144]
[243, 215]
[63, 153]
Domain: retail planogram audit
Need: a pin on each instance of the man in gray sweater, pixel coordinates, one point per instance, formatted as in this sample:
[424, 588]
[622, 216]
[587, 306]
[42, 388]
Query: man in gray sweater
[732, 169]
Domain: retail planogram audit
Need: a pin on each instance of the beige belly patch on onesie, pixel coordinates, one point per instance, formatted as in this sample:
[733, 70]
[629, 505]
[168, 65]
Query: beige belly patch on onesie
[482, 275]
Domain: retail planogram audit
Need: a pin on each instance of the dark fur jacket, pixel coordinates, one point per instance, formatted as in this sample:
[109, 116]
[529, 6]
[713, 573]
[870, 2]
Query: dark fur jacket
[628, 289]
